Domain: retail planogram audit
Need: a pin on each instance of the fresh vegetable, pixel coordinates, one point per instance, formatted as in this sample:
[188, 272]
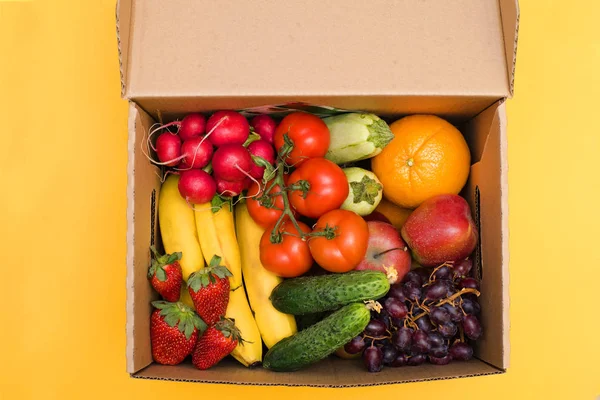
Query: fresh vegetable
[263, 149]
[168, 149]
[174, 329]
[311, 294]
[216, 232]
[165, 275]
[308, 134]
[365, 191]
[305, 320]
[345, 246]
[227, 128]
[197, 186]
[196, 152]
[192, 125]
[264, 126]
[272, 324]
[283, 252]
[318, 186]
[228, 188]
[318, 341]
[232, 162]
[217, 342]
[356, 137]
[178, 227]
[209, 290]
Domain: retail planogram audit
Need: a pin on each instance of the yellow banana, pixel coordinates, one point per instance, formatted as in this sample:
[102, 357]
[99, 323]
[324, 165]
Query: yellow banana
[216, 233]
[178, 227]
[272, 324]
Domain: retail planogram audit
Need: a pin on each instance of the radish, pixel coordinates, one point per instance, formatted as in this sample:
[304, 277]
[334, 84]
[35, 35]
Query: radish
[228, 188]
[264, 126]
[196, 152]
[168, 149]
[192, 126]
[196, 186]
[261, 148]
[232, 162]
[227, 127]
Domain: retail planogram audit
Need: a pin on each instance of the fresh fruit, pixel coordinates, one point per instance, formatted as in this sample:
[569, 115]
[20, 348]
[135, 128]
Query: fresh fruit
[209, 290]
[318, 186]
[376, 216]
[174, 328]
[283, 253]
[386, 251]
[461, 351]
[216, 232]
[264, 126]
[318, 341]
[265, 210]
[355, 346]
[165, 275]
[375, 328]
[373, 359]
[311, 294]
[308, 135]
[356, 137]
[344, 241]
[217, 342]
[441, 230]
[342, 353]
[178, 227]
[197, 186]
[364, 191]
[394, 214]
[272, 324]
[227, 127]
[472, 327]
[427, 157]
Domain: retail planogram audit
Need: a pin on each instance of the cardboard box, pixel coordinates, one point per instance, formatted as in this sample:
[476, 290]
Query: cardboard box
[450, 58]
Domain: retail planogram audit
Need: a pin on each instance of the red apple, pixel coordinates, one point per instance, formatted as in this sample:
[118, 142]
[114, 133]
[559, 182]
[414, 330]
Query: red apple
[376, 216]
[386, 252]
[441, 229]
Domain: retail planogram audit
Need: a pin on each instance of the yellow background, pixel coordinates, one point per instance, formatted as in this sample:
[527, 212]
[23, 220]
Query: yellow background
[62, 213]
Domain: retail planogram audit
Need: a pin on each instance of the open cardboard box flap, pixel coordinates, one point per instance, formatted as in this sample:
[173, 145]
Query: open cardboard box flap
[455, 59]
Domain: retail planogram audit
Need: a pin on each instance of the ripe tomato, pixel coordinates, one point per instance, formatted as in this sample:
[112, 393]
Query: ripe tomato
[327, 187]
[348, 248]
[288, 258]
[260, 213]
[308, 133]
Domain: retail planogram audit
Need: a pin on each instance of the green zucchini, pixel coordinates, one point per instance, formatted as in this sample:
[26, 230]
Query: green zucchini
[319, 340]
[313, 294]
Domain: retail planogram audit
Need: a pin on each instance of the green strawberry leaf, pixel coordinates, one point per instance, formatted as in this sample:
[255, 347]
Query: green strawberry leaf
[173, 257]
[189, 329]
[171, 318]
[161, 274]
[160, 304]
[214, 261]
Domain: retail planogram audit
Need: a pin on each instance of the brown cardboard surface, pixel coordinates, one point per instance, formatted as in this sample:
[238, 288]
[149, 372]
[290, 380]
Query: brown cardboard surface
[142, 180]
[310, 48]
[124, 9]
[509, 10]
[332, 372]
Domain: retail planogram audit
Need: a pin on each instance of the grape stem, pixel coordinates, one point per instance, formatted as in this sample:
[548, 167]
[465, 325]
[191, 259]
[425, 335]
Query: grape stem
[432, 275]
[450, 299]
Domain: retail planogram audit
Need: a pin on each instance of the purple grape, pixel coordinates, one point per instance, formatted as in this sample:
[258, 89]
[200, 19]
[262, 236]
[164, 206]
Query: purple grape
[439, 351]
[455, 314]
[375, 328]
[448, 329]
[440, 360]
[461, 351]
[355, 346]
[400, 361]
[472, 327]
[402, 339]
[420, 342]
[389, 354]
[417, 359]
[436, 340]
[424, 324]
[373, 359]
[412, 291]
[442, 273]
[436, 290]
[396, 292]
[424, 273]
[395, 308]
[384, 317]
[439, 315]
[462, 268]
[468, 283]
[417, 311]
[413, 276]
[470, 307]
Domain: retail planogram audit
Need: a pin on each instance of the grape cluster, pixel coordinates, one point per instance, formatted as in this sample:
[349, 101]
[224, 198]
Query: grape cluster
[430, 316]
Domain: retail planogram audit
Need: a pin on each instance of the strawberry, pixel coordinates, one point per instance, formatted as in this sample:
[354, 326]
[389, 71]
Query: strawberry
[165, 275]
[217, 342]
[209, 290]
[173, 332]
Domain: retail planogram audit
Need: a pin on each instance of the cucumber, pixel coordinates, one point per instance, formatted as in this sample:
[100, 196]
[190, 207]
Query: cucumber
[313, 294]
[319, 340]
[306, 320]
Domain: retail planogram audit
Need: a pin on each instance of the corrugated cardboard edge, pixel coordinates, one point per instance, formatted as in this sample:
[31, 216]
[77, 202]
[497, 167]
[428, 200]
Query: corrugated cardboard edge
[510, 15]
[505, 231]
[130, 297]
[123, 26]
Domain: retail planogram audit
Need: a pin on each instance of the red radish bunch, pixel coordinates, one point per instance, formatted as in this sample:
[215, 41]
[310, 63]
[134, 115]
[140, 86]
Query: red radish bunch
[221, 143]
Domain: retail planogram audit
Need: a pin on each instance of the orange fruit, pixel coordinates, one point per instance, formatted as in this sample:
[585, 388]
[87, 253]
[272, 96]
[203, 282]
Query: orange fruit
[396, 215]
[427, 157]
